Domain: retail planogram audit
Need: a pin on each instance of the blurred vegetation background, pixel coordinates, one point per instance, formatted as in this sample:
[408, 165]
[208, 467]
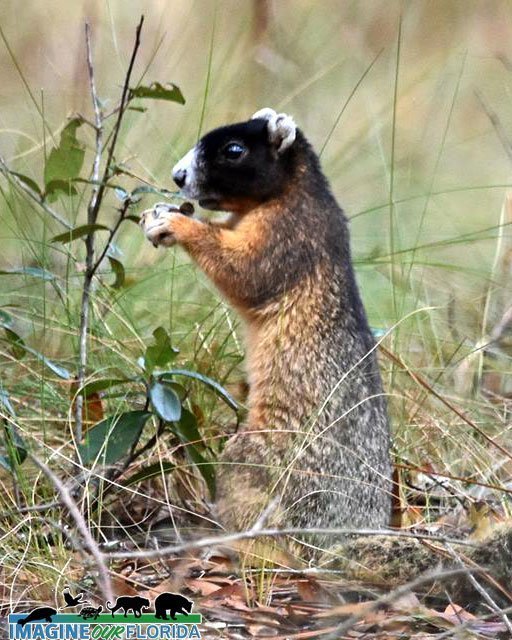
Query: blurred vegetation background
[409, 104]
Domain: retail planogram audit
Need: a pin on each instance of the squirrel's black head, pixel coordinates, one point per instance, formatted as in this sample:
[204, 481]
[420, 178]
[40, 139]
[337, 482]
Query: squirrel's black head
[240, 164]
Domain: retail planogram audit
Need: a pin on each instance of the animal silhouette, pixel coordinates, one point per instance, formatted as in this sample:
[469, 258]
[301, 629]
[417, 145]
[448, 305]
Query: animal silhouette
[172, 602]
[90, 612]
[73, 601]
[41, 613]
[135, 603]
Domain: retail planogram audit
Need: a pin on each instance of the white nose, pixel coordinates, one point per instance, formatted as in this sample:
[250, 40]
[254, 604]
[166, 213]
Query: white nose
[183, 171]
[179, 176]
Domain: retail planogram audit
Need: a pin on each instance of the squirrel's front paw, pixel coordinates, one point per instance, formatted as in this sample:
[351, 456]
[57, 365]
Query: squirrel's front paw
[157, 223]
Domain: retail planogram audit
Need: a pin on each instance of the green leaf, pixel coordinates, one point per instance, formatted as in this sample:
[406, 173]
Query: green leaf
[56, 368]
[112, 438]
[162, 352]
[165, 401]
[188, 434]
[56, 186]
[15, 449]
[65, 161]
[6, 402]
[152, 471]
[149, 189]
[101, 385]
[78, 232]
[133, 218]
[157, 91]
[186, 429]
[121, 194]
[108, 185]
[5, 319]
[178, 388]
[28, 181]
[35, 272]
[18, 347]
[214, 386]
[118, 269]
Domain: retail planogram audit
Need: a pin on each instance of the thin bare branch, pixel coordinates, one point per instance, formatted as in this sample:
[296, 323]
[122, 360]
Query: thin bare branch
[98, 192]
[502, 326]
[88, 540]
[387, 599]
[122, 108]
[265, 515]
[254, 532]
[470, 623]
[122, 213]
[98, 120]
[92, 210]
[480, 589]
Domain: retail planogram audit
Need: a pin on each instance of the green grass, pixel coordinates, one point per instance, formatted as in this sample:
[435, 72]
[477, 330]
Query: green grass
[412, 157]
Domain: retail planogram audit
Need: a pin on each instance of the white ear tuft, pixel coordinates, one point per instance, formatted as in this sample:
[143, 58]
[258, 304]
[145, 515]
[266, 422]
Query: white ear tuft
[265, 114]
[281, 128]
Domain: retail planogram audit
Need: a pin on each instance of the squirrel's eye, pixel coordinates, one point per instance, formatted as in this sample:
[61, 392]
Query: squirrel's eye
[233, 151]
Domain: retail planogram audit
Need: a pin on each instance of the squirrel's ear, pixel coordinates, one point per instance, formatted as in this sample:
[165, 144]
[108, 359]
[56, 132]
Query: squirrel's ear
[281, 128]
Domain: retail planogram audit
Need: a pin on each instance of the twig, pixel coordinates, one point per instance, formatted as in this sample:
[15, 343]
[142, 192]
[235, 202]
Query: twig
[117, 126]
[265, 515]
[395, 594]
[113, 231]
[502, 326]
[33, 509]
[93, 209]
[470, 623]
[479, 588]
[450, 476]
[4, 168]
[98, 120]
[89, 542]
[256, 533]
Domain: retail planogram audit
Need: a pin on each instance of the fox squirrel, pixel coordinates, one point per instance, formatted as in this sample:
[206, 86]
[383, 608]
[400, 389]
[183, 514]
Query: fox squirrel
[315, 449]
[316, 441]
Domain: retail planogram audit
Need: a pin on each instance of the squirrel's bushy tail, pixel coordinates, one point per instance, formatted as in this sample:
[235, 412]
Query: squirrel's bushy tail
[395, 561]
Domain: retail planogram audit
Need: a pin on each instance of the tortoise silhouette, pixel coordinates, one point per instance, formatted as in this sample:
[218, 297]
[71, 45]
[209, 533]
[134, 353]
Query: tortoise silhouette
[41, 613]
[90, 612]
[172, 602]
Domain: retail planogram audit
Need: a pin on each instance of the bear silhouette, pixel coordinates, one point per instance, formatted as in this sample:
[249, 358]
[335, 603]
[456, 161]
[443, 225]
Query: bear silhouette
[41, 613]
[135, 603]
[172, 602]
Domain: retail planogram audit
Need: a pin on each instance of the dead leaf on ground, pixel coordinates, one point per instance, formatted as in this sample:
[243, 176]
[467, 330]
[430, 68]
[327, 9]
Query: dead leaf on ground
[310, 590]
[261, 631]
